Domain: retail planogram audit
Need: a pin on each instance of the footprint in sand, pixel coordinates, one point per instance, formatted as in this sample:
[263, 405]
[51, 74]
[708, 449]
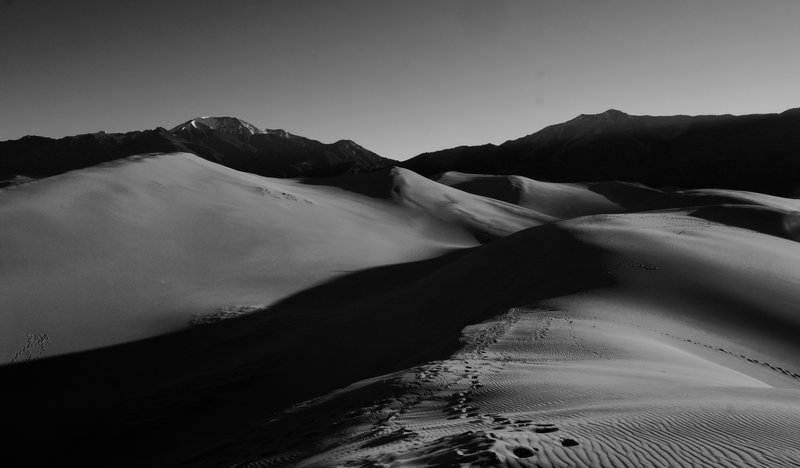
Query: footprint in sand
[524, 452]
[567, 442]
[544, 430]
[35, 346]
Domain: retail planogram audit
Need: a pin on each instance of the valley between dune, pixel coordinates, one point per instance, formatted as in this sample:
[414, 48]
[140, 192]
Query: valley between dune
[543, 387]
[614, 376]
[195, 315]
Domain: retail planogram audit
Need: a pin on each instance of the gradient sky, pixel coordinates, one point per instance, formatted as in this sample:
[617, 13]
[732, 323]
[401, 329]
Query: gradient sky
[398, 77]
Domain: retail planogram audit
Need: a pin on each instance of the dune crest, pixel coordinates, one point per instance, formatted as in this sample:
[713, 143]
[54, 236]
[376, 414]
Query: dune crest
[387, 319]
[485, 217]
[560, 200]
[139, 246]
[656, 356]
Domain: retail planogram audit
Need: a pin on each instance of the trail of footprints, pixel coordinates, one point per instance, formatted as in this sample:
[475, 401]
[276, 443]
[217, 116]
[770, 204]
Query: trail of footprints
[281, 195]
[503, 441]
[375, 426]
[375, 437]
[460, 403]
[364, 421]
[622, 263]
[35, 345]
[783, 371]
[379, 425]
[484, 335]
[577, 342]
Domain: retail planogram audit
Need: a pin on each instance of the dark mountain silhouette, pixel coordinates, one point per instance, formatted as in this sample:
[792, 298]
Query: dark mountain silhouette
[753, 152]
[225, 140]
[34, 157]
[275, 153]
[758, 153]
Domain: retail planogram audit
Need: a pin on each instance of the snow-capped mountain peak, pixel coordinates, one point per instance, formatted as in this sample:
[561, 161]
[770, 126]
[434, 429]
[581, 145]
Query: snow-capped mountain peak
[230, 125]
[279, 132]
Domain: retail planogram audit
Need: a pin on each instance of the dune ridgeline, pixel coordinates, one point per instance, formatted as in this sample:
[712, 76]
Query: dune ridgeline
[174, 308]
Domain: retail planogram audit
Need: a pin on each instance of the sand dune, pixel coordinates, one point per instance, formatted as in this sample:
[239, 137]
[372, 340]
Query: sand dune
[138, 247]
[553, 389]
[657, 358]
[664, 337]
[752, 198]
[560, 200]
[486, 217]
[159, 241]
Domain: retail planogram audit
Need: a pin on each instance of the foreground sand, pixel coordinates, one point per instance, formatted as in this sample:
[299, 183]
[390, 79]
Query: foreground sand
[685, 358]
[649, 330]
[141, 246]
[542, 387]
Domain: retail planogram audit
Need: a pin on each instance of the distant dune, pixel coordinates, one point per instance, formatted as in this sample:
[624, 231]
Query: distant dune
[487, 218]
[559, 200]
[167, 310]
[139, 246]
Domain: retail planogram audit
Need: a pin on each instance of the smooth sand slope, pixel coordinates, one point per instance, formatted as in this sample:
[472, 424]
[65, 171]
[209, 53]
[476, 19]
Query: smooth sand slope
[139, 247]
[486, 217]
[658, 338]
[148, 244]
[677, 348]
[560, 200]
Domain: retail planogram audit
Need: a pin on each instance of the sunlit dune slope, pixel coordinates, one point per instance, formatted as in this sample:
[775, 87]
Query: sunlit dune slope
[138, 247]
[486, 217]
[614, 318]
[725, 282]
[665, 336]
[659, 339]
[560, 200]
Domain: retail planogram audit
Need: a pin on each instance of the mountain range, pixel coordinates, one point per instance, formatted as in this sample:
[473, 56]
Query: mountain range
[758, 153]
[225, 140]
[751, 152]
[612, 291]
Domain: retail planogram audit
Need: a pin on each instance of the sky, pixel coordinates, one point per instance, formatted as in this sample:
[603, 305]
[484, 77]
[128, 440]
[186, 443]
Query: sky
[398, 77]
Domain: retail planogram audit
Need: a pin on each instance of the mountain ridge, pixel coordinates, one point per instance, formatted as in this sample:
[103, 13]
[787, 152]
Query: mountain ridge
[168, 310]
[231, 125]
[757, 152]
[226, 140]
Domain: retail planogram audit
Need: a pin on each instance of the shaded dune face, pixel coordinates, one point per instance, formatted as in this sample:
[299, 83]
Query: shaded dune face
[597, 324]
[156, 241]
[485, 217]
[656, 357]
[303, 346]
[560, 200]
[140, 246]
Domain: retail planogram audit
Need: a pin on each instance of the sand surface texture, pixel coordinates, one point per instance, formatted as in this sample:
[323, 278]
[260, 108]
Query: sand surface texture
[387, 319]
[686, 357]
[139, 247]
